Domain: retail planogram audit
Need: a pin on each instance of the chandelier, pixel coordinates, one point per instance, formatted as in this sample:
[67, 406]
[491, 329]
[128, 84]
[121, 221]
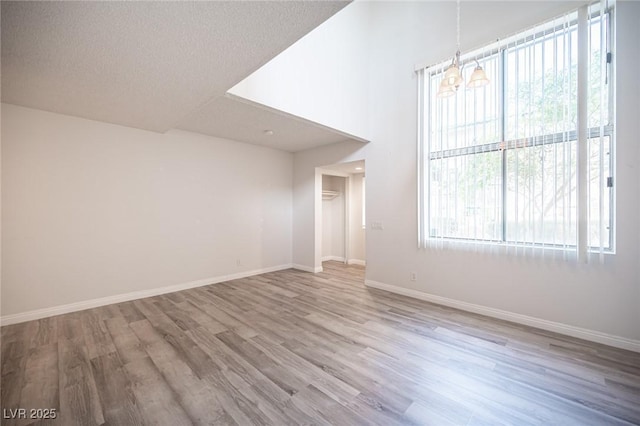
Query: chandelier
[452, 79]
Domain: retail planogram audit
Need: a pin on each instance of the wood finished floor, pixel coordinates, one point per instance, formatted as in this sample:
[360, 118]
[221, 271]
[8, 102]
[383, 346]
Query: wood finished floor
[289, 348]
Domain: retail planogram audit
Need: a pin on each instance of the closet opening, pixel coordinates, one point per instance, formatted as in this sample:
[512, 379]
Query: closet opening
[340, 222]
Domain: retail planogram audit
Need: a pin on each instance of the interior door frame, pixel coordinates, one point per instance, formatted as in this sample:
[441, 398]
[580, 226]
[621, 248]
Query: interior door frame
[318, 215]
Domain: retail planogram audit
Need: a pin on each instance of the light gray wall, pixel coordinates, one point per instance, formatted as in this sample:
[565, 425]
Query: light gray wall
[91, 209]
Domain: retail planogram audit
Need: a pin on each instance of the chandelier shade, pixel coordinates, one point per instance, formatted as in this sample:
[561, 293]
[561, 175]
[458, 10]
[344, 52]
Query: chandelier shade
[478, 78]
[452, 76]
[445, 90]
[452, 79]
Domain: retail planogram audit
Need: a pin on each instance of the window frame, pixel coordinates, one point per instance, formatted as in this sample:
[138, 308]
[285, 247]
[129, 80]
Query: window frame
[425, 155]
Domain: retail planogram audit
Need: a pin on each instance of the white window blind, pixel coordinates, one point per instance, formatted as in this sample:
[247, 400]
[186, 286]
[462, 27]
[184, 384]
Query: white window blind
[524, 164]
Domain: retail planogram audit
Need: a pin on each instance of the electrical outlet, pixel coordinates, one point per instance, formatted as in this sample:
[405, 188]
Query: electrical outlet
[413, 276]
[238, 262]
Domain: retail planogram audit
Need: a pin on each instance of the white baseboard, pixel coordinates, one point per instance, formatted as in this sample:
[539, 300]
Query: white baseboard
[341, 259]
[118, 298]
[569, 330]
[336, 258]
[307, 268]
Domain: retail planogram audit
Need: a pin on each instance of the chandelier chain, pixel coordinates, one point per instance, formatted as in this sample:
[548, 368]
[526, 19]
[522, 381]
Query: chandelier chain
[458, 24]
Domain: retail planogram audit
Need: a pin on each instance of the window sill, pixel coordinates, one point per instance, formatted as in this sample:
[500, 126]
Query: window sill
[498, 247]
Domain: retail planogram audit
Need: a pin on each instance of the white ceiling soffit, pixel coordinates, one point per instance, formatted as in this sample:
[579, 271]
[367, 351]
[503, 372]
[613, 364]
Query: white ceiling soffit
[236, 118]
[142, 64]
[352, 167]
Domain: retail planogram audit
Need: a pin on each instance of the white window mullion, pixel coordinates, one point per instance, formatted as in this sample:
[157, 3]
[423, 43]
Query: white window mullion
[583, 147]
[603, 83]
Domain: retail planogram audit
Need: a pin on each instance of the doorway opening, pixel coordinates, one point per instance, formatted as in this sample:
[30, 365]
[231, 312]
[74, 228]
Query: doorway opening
[340, 216]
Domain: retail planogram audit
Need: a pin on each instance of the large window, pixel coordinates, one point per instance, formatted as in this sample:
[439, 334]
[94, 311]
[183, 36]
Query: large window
[526, 160]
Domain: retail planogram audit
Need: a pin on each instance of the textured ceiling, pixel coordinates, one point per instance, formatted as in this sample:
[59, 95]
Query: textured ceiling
[150, 65]
[235, 118]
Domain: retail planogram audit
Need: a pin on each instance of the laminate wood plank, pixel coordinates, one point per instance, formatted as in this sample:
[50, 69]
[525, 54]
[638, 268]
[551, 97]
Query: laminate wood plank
[228, 359]
[96, 336]
[189, 352]
[235, 303]
[222, 312]
[130, 312]
[421, 414]
[277, 304]
[180, 317]
[268, 323]
[340, 325]
[423, 381]
[261, 320]
[79, 399]
[125, 340]
[547, 379]
[316, 306]
[627, 389]
[9, 333]
[325, 383]
[156, 400]
[298, 286]
[117, 398]
[380, 398]
[12, 379]
[46, 332]
[148, 308]
[316, 403]
[176, 297]
[17, 341]
[201, 318]
[275, 414]
[290, 347]
[108, 311]
[623, 364]
[287, 381]
[14, 349]
[235, 403]
[590, 398]
[251, 313]
[197, 399]
[40, 386]
[368, 407]
[277, 290]
[315, 334]
[475, 388]
[70, 326]
[272, 400]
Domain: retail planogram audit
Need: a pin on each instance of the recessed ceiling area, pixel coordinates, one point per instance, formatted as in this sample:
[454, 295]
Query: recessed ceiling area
[242, 120]
[152, 65]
